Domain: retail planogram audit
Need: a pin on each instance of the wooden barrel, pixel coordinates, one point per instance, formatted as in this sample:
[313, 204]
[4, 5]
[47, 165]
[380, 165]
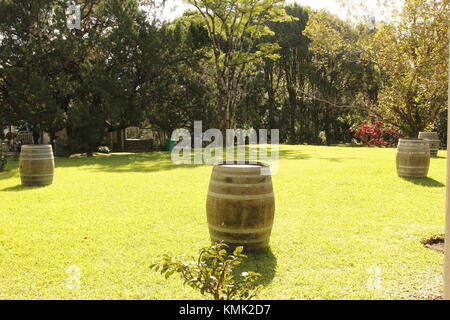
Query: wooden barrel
[241, 205]
[413, 158]
[433, 140]
[36, 165]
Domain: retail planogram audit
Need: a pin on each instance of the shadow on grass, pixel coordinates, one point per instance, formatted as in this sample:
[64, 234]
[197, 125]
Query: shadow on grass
[9, 173]
[19, 188]
[263, 262]
[300, 155]
[294, 155]
[156, 161]
[141, 162]
[11, 170]
[425, 182]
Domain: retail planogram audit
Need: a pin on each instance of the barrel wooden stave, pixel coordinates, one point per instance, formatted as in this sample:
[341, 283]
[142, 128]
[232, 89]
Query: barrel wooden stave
[433, 140]
[36, 165]
[240, 207]
[413, 158]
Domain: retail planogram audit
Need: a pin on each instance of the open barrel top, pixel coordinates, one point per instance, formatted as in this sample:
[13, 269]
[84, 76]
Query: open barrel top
[37, 146]
[412, 140]
[239, 166]
[242, 168]
[244, 164]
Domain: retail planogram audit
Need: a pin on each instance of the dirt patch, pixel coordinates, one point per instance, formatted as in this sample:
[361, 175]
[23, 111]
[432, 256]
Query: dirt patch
[430, 297]
[435, 243]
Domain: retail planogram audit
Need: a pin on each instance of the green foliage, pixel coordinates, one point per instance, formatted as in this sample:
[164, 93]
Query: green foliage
[244, 63]
[412, 53]
[403, 62]
[100, 77]
[309, 91]
[86, 127]
[212, 273]
[237, 30]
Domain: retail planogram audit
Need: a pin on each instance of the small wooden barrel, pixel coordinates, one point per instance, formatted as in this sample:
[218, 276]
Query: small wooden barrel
[241, 205]
[36, 165]
[413, 158]
[433, 140]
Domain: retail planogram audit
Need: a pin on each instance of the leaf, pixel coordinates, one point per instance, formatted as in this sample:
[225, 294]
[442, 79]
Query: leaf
[238, 251]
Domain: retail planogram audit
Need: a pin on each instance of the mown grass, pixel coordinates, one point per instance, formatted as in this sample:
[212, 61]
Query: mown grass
[346, 227]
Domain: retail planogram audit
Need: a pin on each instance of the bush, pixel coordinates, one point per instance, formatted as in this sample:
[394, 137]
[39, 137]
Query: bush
[212, 273]
[104, 150]
[375, 134]
[3, 163]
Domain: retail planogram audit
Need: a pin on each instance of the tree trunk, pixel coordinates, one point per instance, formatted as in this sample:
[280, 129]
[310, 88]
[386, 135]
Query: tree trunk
[270, 92]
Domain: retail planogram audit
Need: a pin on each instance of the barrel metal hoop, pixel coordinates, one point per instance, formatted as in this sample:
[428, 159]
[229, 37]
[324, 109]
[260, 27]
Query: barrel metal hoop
[36, 175]
[239, 231]
[408, 167]
[402, 150]
[36, 159]
[237, 175]
[229, 184]
[241, 197]
[239, 241]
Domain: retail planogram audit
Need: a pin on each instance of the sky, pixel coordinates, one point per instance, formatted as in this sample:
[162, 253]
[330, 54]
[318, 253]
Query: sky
[175, 8]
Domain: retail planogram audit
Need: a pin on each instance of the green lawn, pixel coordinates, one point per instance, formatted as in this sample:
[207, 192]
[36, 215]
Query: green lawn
[342, 217]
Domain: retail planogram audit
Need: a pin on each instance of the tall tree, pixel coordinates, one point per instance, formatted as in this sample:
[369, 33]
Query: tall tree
[88, 80]
[234, 27]
[412, 52]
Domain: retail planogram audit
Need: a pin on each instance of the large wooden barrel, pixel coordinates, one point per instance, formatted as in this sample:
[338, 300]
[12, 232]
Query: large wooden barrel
[241, 205]
[36, 165]
[433, 140]
[413, 158]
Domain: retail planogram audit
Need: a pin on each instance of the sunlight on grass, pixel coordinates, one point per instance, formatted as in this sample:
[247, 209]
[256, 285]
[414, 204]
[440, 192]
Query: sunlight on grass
[341, 214]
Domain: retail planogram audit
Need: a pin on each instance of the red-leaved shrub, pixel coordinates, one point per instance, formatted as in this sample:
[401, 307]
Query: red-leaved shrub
[375, 134]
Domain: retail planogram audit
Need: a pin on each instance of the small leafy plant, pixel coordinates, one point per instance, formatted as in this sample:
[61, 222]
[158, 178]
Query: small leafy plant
[213, 273]
[104, 149]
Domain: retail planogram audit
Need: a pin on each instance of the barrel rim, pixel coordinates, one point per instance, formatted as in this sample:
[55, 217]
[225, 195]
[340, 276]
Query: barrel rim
[426, 132]
[412, 140]
[37, 146]
[242, 163]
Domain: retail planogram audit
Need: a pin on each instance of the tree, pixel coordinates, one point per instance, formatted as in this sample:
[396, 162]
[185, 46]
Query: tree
[294, 64]
[87, 80]
[412, 53]
[183, 90]
[234, 26]
[309, 91]
[30, 87]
